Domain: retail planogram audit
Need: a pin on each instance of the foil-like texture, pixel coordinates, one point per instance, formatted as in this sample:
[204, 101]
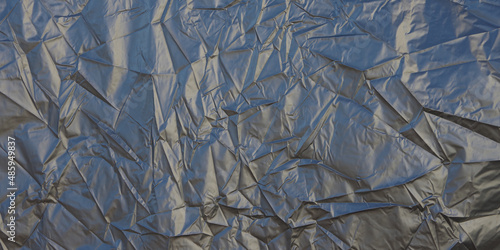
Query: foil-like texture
[251, 124]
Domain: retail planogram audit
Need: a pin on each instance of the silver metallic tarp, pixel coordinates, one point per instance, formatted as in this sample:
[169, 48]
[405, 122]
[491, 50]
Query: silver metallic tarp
[306, 124]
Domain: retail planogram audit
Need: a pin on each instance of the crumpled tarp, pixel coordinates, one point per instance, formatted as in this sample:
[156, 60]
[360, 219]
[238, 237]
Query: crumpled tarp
[252, 124]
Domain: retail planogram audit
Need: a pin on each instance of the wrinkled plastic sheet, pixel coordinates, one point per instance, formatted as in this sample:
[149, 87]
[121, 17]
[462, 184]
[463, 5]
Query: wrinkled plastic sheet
[251, 124]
